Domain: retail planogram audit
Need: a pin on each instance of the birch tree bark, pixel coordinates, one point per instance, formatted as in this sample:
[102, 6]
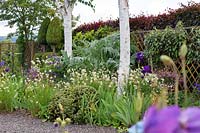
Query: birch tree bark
[65, 9]
[124, 64]
[67, 16]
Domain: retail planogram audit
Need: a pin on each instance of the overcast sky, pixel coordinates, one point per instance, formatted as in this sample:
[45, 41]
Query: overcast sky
[106, 9]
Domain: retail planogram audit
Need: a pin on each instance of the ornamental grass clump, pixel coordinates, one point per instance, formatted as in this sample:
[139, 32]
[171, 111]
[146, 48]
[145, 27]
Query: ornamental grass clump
[10, 92]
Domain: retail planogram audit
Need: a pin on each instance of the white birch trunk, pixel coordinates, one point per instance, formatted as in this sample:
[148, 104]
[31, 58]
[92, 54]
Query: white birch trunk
[65, 9]
[68, 30]
[124, 64]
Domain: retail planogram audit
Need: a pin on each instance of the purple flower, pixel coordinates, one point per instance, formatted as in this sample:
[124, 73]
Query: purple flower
[7, 69]
[139, 56]
[197, 86]
[2, 63]
[146, 69]
[172, 120]
[56, 124]
[33, 73]
[190, 120]
[162, 121]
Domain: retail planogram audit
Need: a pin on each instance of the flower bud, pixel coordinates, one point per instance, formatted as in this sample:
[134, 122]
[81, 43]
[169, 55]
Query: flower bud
[68, 120]
[183, 50]
[166, 59]
[58, 120]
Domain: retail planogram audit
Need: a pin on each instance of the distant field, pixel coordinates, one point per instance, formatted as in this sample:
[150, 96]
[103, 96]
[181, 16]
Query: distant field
[13, 39]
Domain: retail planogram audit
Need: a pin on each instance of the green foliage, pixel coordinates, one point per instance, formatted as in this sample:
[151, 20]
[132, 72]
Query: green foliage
[10, 87]
[43, 31]
[165, 42]
[21, 49]
[85, 2]
[73, 100]
[169, 41]
[194, 46]
[54, 33]
[138, 95]
[103, 53]
[25, 14]
[37, 97]
[16, 92]
[128, 110]
[80, 38]
[80, 96]
[90, 97]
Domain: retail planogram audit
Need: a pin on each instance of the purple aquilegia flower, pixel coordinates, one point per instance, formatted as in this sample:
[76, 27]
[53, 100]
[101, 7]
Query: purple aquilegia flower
[2, 63]
[189, 121]
[162, 121]
[140, 56]
[7, 69]
[172, 120]
[146, 69]
[197, 86]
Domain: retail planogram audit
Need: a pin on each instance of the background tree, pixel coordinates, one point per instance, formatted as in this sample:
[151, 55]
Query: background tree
[124, 64]
[42, 33]
[54, 33]
[26, 15]
[65, 8]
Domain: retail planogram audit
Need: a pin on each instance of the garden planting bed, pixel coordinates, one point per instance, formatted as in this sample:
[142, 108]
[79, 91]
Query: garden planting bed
[23, 122]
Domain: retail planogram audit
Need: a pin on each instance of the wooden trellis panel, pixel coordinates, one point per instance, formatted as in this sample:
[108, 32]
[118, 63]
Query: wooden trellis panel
[192, 69]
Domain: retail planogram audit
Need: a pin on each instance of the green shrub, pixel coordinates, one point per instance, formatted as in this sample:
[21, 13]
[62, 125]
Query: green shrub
[54, 34]
[72, 99]
[194, 46]
[79, 39]
[103, 53]
[80, 97]
[43, 31]
[168, 42]
[164, 42]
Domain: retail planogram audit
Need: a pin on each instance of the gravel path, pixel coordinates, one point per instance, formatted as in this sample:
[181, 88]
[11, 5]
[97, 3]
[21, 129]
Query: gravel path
[21, 122]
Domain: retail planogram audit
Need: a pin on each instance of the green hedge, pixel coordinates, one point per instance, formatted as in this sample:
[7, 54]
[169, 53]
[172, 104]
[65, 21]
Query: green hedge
[168, 42]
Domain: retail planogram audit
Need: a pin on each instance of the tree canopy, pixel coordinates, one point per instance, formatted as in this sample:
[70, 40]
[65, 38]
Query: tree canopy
[25, 14]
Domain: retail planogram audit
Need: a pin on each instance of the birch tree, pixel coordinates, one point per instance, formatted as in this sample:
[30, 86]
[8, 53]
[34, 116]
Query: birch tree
[124, 64]
[65, 8]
